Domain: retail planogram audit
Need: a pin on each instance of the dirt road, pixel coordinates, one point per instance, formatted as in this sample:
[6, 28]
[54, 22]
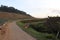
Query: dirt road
[16, 33]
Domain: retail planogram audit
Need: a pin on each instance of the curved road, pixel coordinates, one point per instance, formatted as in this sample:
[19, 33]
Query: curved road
[16, 33]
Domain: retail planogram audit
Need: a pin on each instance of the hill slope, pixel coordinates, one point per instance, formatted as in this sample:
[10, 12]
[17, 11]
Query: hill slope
[12, 13]
[7, 15]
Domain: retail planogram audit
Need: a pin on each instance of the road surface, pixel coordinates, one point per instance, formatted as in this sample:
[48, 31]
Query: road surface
[16, 33]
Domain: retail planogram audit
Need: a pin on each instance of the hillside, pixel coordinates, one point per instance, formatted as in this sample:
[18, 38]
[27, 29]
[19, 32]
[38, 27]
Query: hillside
[7, 15]
[12, 13]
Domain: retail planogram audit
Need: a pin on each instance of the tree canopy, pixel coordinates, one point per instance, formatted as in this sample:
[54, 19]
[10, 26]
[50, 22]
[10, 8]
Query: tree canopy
[53, 24]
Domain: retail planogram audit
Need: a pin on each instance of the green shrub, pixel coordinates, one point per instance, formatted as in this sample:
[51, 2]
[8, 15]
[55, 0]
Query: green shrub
[38, 27]
[50, 36]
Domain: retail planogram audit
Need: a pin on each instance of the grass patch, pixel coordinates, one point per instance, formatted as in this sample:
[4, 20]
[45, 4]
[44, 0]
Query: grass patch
[37, 35]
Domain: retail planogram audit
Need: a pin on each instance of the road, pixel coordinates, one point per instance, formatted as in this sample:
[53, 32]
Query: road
[16, 33]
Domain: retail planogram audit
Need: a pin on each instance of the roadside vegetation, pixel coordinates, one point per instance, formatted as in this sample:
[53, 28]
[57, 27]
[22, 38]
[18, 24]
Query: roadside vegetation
[42, 29]
[2, 21]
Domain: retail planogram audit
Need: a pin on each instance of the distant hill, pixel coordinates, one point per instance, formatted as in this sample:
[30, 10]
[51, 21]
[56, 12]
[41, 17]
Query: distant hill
[12, 13]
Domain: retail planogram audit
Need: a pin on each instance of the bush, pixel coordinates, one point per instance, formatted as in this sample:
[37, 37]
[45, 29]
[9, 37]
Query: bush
[38, 27]
[50, 37]
[53, 24]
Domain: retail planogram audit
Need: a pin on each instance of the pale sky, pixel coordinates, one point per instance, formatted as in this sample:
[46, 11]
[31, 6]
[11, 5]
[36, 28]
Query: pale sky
[36, 8]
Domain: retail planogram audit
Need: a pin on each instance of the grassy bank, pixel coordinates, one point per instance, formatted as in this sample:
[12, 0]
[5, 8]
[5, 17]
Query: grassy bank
[37, 35]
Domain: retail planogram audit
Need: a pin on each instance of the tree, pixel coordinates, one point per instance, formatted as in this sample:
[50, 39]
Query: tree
[53, 25]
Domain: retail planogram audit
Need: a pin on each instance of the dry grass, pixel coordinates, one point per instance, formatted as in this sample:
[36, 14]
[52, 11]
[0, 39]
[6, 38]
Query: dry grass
[7, 15]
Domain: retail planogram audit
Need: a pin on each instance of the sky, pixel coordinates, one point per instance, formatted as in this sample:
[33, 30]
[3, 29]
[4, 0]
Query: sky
[36, 8]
